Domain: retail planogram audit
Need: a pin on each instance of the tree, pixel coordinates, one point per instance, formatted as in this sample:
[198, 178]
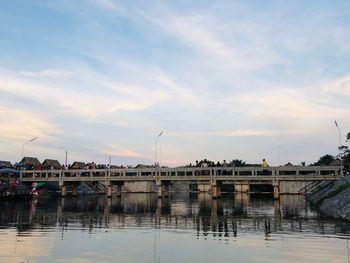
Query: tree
[348, 137]
[237, 163]
[324, 160]
[208, 162]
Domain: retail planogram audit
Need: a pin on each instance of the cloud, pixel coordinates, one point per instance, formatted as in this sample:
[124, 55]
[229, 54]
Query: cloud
[70, 98]
[284, 103]
[211, 41]
[117, 150]
[339, 86]
[47, 74]
[342, 37]
[19, 125]
[108, 4]
[234, 133]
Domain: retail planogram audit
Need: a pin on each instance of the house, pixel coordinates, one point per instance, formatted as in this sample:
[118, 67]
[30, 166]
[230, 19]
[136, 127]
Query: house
[5, 164]
[31, 163]
[289, 164]
[78, 165]
[50, 164]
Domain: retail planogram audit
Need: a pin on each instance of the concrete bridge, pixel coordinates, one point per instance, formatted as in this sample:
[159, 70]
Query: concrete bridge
[282, 179]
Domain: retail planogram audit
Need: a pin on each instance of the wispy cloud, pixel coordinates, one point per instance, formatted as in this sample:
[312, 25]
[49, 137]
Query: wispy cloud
[209, 39]
[117, 150]
[107, 4]
[339, 86]
[20, 125]
[342, 37]
[47, 73]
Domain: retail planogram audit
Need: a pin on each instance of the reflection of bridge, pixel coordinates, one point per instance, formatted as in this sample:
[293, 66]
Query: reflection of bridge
[285, 179]
[202, 216]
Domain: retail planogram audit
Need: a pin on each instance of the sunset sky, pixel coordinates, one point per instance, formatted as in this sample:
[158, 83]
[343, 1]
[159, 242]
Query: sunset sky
[222, 79]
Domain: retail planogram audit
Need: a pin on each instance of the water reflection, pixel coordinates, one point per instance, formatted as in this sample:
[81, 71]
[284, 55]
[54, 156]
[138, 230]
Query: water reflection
[230, 216]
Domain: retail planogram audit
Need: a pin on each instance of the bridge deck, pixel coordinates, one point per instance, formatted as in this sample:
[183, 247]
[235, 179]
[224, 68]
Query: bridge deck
[293, 173]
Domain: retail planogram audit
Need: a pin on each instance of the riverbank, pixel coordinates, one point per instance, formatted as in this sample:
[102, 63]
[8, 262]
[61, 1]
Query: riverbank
[332, 198]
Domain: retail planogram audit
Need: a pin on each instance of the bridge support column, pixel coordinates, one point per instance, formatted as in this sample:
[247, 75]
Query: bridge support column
[203, 188]
[119, 188]
[63, 187]
[96, 187]
[109, 189]
[241, 187]
[75, 189]
[276, 189]
[163, 188]
[215, 189]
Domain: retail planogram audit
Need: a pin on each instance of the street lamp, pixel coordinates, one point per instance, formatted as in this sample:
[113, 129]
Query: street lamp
[27, 143]
[110, 163]
[279, 154]
[156, 146]
[341, 161]
[66, 157]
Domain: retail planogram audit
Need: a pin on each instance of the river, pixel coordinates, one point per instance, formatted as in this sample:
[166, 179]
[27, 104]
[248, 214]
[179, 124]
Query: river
[182, 228]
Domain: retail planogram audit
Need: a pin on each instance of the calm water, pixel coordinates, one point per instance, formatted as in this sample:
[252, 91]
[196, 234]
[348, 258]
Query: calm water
[183, 228]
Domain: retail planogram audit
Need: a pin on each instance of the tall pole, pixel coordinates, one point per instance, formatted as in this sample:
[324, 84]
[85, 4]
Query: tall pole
[156, 147]
[110, 162]
[31, 140]
[65, 161]
[341, 161]
[66, 154]
[279, 154]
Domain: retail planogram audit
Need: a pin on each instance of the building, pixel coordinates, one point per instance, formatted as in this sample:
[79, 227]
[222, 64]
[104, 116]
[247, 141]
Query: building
[5, 164]
[78, 165]
[50, 164]
[30, 163]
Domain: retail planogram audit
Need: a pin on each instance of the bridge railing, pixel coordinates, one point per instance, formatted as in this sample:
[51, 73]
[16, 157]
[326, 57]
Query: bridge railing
[185, 171]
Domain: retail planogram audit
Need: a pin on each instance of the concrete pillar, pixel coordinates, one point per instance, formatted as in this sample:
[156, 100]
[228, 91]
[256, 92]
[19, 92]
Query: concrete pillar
[75, 190]
[159, 191]
[63, 190]
[96, 187]
[109, 190]
[165, 189]
[241, 187]
[119, 190]
[276, 189]
[162, 189]
[203, 188]
[215, 189]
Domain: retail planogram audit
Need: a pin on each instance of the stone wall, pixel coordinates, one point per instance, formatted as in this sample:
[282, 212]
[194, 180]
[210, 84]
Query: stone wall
[332, 198]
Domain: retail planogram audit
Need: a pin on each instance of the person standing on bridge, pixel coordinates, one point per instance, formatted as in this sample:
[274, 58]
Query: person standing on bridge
[264, 165]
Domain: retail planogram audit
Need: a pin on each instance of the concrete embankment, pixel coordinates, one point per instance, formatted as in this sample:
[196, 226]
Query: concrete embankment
[332, 198]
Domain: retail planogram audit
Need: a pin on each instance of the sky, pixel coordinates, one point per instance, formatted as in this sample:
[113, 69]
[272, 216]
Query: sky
[222, 79]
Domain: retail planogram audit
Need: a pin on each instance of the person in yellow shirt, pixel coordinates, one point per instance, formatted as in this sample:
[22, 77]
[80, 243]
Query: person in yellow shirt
[264, 165]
